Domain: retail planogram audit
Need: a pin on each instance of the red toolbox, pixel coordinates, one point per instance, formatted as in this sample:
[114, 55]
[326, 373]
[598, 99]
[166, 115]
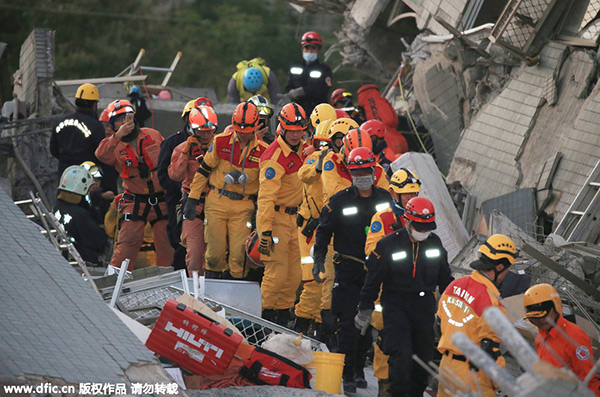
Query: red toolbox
[192, 340]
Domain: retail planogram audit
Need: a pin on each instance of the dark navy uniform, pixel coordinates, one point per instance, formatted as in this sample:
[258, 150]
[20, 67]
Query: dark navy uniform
[75, 137]
[347, 217]
[410, 272]
[172, 194]
[315, 78]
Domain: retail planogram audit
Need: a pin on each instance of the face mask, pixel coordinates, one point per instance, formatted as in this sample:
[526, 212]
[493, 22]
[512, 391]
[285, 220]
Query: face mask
[419, 236]
[362, 182]
[309, 56]
[398, 210]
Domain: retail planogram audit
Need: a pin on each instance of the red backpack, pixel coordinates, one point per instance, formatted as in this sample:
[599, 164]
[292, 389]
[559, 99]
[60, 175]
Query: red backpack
[267, 368]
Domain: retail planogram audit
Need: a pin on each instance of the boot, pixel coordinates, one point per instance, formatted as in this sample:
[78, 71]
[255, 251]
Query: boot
[359, 379]
[383, 388]
[270, 315]
[283, 317]
[301, 325]
[349, 384]
[212, 274]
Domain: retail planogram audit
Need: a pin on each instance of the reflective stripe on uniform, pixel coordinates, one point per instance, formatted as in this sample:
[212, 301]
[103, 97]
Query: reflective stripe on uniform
[382, 206]
[350, 211]
[315, 74]
[296, 70]
[399, 255]
[306, 260]
[432, 253]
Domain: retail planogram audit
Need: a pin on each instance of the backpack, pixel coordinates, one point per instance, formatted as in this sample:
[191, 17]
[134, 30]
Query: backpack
[267, 368]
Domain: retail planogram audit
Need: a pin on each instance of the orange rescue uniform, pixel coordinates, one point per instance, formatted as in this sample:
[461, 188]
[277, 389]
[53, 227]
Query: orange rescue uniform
[461, 309]
[143, 198]
[278, 200]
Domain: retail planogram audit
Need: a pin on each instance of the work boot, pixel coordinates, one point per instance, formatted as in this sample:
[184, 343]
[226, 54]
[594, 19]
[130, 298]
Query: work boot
[349, 385]
[270, 315]
[283, 317]
[301, 325]
[359, 379]
[212, 274]
[383, 388]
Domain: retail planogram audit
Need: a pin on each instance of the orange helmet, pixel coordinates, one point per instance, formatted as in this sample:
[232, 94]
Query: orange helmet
[311, 38]
[374, 128]
[356, 138]
[292, 117]
[252, 243]
[361, 158]
[203, 118]
[245, 118]
[118, 108]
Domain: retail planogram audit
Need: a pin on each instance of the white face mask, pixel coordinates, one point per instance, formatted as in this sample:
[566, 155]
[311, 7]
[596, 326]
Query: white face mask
[418, 236]
[309, 56]
[362, 182]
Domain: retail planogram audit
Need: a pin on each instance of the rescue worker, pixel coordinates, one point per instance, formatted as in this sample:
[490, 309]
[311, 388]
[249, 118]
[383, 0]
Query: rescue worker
[310, 80]
[230, 171]
[346, 217]
[341, 99]
[278, 200]
[133, 151]
[321, 112]
[185, 160]
[404, 185]
[407, 265]
[557, 336]
[76, 136]
[315, 297]
[99, 196]
[461, 309]
[265, 112]
[252, 78]
[385, 156]
[336, 175]
[108, 131]
[173, 189]
[74, 213]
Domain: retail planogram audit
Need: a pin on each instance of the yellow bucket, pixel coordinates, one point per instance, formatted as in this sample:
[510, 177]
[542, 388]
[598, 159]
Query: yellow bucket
[327, 369]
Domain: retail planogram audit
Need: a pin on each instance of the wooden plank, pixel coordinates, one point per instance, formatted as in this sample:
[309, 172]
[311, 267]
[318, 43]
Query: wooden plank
[560, 270]
[101, 80]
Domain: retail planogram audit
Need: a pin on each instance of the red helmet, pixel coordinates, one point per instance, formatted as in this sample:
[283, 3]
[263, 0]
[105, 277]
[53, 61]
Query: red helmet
[251, 245]
[421, 211]
[341, 94]
[361, 158]
[341, 114]
[292, 117]
[374, 128]
[313, 38]
[203, 118]
[104, 116]
[245, 118]
[356, 138]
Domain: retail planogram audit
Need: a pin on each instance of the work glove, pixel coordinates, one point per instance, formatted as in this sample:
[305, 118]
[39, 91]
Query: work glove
[318, 267]
[296, 93]
[189, 210]
[362, 320]
[319, 166]
[266, 243]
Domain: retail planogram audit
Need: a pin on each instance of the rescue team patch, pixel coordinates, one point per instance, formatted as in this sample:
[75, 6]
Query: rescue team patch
[328, 81]
[328, 166]
[582, 353]
[310, 161]
[270, 173]
[375, 227]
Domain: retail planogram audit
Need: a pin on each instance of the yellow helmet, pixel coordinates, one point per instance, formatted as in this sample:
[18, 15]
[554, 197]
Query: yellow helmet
[92, 168]
[188, 107]
[341, 126]
[322, 131]
[322, 112]
[497, 248]
[405, 181]
[539, 299]
[88, 92]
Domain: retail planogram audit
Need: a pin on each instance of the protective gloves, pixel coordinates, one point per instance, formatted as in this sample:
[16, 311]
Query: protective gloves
[266, 243]
[296, 93]
[362, 320]
[318, 267]
[189, 210]
[319, 166]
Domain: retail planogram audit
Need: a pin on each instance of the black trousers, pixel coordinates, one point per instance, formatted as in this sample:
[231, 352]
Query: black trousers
[407, 330]
[345, 295]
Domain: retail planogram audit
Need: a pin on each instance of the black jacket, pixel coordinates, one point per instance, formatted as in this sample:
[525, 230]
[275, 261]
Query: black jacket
[172, 188]
[315, 78]
[75, 138]
[347, 217]
[393, 263]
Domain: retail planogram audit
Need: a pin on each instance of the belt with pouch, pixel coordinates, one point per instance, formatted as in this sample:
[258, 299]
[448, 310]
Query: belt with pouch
[287, 210]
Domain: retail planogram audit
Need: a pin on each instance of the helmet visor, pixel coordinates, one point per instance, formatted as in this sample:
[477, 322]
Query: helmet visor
[423, 226]
[539, 310]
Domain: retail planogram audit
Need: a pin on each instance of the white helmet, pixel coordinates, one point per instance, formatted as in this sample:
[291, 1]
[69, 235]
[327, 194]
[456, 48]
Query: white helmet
[76, 179]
